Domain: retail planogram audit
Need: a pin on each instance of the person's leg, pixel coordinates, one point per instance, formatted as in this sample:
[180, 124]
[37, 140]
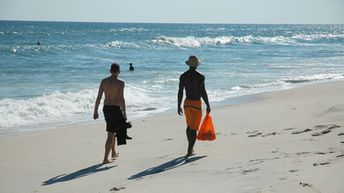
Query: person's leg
[114, 155]
[108, 146]
[191, 135]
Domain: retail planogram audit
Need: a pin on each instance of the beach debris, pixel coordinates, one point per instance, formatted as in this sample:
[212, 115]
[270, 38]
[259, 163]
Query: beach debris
[115, 189]
[303, 131]
[341, 155]
[305, 184]
[341, 133]
[294, 170]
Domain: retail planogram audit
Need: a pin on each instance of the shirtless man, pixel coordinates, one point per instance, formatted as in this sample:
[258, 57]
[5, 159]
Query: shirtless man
[114, 108]
[193, 82]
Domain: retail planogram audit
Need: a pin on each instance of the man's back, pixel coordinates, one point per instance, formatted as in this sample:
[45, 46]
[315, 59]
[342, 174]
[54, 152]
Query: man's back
[193, 82]
[113, 89]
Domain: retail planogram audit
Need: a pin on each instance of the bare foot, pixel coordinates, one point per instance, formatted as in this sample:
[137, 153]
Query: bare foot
[114, 155]
[106, 161]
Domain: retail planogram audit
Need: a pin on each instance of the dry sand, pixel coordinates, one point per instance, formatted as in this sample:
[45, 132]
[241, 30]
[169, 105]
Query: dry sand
[285, 141]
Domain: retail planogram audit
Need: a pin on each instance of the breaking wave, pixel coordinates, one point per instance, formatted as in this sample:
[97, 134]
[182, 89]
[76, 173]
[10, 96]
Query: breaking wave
[191, 41]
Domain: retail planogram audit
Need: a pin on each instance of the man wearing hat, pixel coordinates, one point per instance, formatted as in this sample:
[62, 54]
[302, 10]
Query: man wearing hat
[193, 82]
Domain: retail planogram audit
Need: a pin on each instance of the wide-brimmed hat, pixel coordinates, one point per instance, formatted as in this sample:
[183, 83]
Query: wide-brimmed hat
[193, 61]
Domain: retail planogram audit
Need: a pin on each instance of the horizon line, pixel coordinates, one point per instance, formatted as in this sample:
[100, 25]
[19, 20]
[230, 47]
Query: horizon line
[142, 22]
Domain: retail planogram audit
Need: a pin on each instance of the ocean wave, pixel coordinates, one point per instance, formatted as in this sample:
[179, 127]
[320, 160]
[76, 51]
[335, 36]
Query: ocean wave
[61, 47]
[52, 48]
[120, 44]
[44, 109]
[192, 42]
[60, 108]
[312, 37]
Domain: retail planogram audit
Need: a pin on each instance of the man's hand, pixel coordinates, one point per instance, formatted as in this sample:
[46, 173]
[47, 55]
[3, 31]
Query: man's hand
[180, 111]
[208, 109]
[95, 115]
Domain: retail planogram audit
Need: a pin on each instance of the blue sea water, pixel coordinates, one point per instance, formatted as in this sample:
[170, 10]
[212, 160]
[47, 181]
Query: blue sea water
[56, 83]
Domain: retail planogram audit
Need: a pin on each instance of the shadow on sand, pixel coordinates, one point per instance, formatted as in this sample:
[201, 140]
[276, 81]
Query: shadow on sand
[166, 166]
[78, 174]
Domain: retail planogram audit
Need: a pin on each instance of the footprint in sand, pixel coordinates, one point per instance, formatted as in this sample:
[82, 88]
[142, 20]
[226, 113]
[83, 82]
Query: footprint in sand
[293, 171]
[328, 129]
[321, 163]
[303, 153]
[254, 133]
[288, 129]
[243, 172]
[323, 153]
[302, 131]
[115, 189]
[305, 184]
[269, 134]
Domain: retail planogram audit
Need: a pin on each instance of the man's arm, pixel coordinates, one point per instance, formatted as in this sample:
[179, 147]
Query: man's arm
[205, 95]
[122, 100]
[99, 97]
[180, 96]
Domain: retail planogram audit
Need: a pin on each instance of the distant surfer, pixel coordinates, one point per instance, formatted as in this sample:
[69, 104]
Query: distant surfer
[131, 67]
[38, 43]
[193, 82]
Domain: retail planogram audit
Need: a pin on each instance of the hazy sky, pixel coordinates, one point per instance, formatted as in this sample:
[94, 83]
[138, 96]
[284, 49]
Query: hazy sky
[195, 11]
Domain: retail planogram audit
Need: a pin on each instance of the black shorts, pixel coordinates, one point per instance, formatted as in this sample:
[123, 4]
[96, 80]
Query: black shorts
[114, 118]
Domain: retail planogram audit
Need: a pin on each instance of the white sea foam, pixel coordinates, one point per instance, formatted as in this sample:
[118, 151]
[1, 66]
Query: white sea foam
[179, 42]
[191, 41]
[310, 37]
[310, 78]
[218, 95]
[121, 44]
[60, 108]
[44, 109]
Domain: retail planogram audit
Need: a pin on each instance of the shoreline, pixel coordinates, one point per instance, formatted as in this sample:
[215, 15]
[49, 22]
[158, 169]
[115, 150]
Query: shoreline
[235, 100]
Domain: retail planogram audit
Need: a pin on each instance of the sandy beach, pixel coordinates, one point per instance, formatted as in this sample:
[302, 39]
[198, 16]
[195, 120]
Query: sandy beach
[284, 141]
